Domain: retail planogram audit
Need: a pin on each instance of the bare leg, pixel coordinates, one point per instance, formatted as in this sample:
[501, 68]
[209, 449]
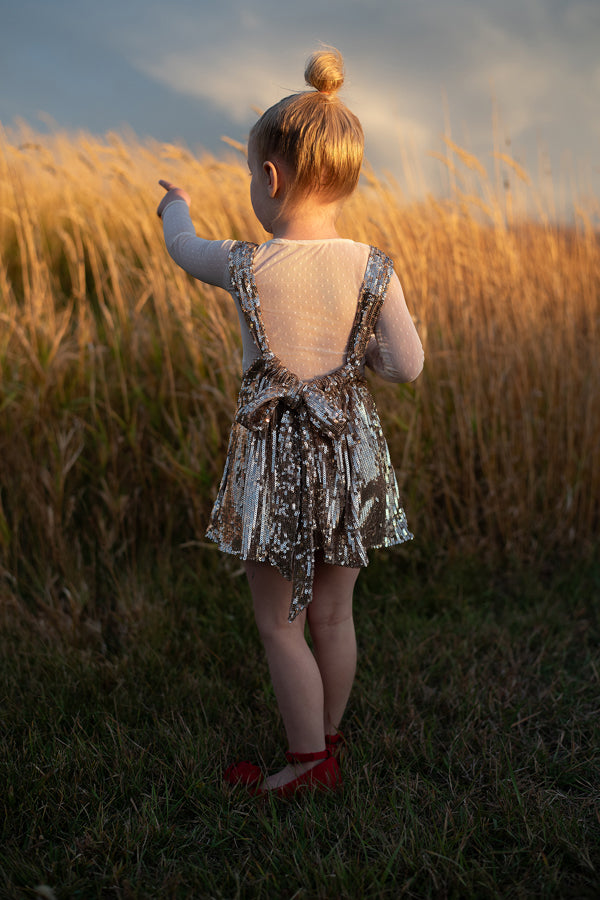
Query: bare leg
[332, 631]
[294, 671]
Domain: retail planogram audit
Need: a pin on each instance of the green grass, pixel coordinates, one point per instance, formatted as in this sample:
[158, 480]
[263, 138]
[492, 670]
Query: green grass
[474, 760]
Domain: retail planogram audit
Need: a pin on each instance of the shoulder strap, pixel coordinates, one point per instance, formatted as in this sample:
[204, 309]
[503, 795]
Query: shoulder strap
[372, 293]
[243, 287]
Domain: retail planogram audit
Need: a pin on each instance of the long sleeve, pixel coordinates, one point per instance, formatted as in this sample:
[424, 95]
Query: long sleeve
[205, 260]
[395, 351]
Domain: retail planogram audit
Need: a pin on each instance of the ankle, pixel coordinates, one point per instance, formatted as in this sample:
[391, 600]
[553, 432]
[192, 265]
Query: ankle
[299, 768]
[302, 756]
[300, 763]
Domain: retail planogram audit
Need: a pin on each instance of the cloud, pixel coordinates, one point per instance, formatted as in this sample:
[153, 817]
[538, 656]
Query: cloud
[225, 83]
[412, 67]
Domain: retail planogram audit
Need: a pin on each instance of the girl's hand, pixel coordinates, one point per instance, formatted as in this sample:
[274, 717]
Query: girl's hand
[172, 194]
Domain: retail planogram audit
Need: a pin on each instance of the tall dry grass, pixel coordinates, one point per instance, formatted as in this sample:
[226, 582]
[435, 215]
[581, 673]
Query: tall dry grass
[119, 372]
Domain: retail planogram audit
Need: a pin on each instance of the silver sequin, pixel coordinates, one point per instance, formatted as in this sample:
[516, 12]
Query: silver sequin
[308, 467]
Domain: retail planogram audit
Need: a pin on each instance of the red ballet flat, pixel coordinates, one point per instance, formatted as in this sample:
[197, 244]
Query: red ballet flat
[326, 776]
[335, 743]
[242, 773]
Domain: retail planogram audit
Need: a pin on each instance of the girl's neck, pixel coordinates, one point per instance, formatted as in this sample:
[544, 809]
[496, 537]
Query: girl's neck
[310, 222]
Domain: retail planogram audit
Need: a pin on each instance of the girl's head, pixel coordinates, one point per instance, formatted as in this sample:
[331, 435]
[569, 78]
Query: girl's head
[317, 140]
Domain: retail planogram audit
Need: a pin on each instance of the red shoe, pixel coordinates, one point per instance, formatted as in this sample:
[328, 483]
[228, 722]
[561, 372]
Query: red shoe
[326, 776]
[242, 773]
[335, 743]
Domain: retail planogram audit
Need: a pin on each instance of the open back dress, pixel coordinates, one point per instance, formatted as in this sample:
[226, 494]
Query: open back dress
[307, 468]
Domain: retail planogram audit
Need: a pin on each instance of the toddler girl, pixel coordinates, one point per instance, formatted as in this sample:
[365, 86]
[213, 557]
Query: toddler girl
[308, 486]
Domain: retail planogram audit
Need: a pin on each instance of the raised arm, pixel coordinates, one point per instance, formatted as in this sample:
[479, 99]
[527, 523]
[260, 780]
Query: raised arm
[205, 260]
[395, 351]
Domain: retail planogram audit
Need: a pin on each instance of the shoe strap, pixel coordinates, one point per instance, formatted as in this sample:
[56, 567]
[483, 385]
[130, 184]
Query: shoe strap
[306, 757]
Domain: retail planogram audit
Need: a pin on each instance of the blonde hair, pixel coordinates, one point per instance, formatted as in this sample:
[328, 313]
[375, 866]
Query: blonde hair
[314, 134]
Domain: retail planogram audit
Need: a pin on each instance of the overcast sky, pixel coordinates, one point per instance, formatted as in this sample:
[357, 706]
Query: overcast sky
[194, 70]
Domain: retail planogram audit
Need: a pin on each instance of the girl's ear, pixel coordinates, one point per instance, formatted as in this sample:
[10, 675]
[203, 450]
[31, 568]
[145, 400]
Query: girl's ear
[274, 180]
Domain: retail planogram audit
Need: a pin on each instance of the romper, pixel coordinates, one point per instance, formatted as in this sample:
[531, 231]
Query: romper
[307, 467]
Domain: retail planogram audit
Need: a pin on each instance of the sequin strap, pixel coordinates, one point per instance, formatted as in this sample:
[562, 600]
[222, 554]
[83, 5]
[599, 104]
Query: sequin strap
[241, 271]
[374, 286]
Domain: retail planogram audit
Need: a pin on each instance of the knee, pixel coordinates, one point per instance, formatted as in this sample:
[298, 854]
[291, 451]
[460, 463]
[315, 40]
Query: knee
[322, 617]
[276, 628]
[269, 631]
[333, 590]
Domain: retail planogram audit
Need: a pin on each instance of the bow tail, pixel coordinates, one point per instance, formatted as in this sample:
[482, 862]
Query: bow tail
[303, 568]
[292, 479]
[286, 490]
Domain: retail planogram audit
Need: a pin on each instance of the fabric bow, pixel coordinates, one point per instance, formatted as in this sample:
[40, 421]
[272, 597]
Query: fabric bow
[257, 411]
[272, 394]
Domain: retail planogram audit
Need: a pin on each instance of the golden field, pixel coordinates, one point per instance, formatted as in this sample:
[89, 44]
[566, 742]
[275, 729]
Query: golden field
[119, 372]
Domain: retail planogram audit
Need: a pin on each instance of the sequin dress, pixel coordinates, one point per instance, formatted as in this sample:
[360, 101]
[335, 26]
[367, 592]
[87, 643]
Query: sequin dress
[308, 467]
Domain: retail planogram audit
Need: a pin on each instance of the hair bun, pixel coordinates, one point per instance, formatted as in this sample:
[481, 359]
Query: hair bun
[325, 70]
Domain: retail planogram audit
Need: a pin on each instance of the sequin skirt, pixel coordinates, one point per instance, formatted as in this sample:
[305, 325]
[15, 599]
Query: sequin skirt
[287, 478]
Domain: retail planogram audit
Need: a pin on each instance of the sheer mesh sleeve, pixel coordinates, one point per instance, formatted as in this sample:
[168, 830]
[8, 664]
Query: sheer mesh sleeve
[395, 351]
[205, 260]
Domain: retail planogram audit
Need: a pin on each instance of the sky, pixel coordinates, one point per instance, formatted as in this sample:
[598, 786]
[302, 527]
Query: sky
[517, 76]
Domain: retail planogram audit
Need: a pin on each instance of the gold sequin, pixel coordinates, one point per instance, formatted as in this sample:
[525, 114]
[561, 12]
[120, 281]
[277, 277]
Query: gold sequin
[307, 467]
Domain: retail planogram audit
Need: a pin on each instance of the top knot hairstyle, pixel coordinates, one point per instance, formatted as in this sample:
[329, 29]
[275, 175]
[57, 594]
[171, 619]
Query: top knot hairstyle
[314, 134]
[325, 70]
